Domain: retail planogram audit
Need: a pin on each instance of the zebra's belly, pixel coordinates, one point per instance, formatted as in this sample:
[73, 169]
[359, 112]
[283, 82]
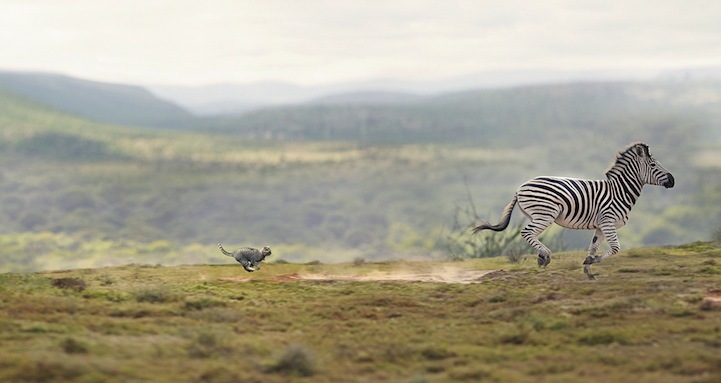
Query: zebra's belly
[577, 224]
[586, 224]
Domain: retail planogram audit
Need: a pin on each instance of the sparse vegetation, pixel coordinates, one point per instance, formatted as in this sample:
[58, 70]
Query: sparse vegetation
[359, 184]
[652, 314]
[334, 183]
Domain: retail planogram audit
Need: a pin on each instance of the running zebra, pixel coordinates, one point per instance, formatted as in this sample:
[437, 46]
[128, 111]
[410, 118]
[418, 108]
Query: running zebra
[601, 205]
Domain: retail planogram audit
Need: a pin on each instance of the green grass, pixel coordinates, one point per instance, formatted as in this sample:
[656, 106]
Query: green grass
[643, 320]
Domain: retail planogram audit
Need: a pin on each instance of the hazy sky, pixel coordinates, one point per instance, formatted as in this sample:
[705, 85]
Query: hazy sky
[318, 42]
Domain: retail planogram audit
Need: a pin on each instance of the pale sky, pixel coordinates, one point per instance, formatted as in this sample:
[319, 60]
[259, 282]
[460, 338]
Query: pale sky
[314, 42]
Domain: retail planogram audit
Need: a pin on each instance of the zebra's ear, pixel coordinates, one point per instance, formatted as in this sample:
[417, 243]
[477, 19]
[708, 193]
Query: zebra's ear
[642, 150]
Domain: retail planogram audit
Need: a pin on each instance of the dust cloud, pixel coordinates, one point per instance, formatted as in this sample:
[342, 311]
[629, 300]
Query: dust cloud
[442, 275]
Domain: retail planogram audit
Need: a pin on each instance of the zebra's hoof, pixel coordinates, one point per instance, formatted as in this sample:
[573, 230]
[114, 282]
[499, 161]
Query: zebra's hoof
[587, 271]
[543, 260]
[589, 260]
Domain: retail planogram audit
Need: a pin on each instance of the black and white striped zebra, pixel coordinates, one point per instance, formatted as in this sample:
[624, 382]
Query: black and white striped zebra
[600, 205]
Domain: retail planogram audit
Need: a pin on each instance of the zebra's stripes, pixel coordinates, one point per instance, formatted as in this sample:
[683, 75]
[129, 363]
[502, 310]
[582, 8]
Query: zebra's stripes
[600, 205]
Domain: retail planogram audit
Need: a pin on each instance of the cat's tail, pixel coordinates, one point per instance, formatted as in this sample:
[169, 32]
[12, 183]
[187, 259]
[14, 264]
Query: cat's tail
[223, 250]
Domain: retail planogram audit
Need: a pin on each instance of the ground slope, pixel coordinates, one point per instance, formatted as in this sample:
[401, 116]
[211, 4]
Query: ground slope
[650, 317]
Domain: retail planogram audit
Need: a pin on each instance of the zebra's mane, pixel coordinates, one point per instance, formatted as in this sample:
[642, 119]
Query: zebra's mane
[627, 152]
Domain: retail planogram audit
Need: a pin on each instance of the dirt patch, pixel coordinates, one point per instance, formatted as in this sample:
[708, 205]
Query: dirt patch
[447, 276]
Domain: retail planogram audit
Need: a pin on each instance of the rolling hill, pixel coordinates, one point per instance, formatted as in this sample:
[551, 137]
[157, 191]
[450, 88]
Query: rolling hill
[336, 182]
[512, 116]
[103, 102]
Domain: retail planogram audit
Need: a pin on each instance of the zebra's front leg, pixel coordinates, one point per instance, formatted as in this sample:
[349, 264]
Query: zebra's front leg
[592, 249]
[608, 230]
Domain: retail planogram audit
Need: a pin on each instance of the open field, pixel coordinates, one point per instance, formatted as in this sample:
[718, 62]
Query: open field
[332, 183]
[650, 317]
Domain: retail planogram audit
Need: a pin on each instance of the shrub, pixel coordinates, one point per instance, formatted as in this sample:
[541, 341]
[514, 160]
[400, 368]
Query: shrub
[601, 338]
[204, 345]
[203, 303]
[154, 294]
[461, 244]
[294, 360]
[358, 261]
[72, 346]
[69, 283]
[437, 353]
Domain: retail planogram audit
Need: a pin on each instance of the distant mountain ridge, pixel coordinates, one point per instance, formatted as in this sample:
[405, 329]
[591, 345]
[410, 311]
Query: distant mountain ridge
[229, 98]
[386, 111]
[104, 102]
[518, 115]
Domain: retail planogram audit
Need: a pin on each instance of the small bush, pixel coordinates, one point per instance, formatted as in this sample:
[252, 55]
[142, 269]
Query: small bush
[295, 360]
[358, 261]
[72, 346]
[517, 336]
[601, 338]
[203, 303]
[516, 254]
[69, 283]
[106, 280]
[437, 353]
[154, 294]
[206, 345]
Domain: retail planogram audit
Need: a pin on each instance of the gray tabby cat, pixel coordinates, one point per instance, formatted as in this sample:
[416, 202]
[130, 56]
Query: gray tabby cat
[248, 257]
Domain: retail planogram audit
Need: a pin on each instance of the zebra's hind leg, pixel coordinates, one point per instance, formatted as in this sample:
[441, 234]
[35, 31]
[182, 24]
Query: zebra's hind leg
[609, 232]
[530, 233]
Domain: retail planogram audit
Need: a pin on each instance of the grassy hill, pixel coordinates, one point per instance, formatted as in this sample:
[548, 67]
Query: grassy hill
[77, 193]
[103, 102]
[649, 317]
[510, 117]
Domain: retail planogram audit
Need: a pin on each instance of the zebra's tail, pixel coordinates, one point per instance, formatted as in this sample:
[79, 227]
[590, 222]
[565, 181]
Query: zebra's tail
[223, 250]
[505, 219]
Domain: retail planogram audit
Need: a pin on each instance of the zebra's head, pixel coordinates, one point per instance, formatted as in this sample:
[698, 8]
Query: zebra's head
[650, 171]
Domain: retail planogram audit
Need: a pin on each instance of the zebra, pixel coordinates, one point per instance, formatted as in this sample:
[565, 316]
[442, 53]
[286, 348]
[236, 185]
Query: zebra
[600, 205]
[248, 257]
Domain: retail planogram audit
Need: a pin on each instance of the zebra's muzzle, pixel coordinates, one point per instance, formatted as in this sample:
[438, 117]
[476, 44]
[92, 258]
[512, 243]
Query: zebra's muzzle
[670, 182]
